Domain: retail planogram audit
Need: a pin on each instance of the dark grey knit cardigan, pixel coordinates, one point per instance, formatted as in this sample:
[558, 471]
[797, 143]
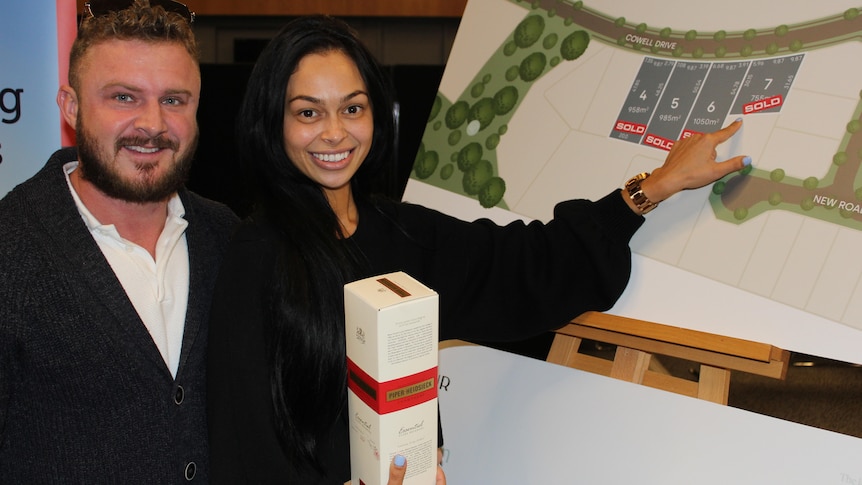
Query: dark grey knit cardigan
[85, 396]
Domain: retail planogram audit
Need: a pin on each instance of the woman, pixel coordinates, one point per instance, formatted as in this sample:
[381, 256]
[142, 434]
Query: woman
[315, 132]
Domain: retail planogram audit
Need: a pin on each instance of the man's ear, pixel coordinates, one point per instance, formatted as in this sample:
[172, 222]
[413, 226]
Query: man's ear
[67, 100]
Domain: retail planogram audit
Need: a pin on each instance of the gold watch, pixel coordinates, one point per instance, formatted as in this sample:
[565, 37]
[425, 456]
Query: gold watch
[636, 194]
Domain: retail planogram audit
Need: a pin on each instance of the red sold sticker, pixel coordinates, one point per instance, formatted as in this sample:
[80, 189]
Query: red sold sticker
[762, 104]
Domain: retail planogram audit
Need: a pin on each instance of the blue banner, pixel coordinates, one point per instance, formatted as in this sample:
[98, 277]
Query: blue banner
[35, 37]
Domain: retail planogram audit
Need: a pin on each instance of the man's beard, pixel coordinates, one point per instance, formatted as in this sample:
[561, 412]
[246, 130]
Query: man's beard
[98, 169]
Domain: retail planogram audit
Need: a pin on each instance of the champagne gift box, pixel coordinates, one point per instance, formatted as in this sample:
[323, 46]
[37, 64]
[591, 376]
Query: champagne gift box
[391, 325]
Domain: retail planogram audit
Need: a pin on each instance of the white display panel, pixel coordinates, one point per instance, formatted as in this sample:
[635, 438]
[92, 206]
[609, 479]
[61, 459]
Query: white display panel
[512, 419]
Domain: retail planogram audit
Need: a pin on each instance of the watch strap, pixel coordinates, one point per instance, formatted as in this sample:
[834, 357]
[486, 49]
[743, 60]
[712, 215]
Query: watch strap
[636, 193]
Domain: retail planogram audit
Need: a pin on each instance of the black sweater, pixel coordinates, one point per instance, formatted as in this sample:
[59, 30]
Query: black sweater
[494, 283]
[85, 396]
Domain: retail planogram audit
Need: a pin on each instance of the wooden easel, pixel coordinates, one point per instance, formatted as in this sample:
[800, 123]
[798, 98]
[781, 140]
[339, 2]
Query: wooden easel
[637, 341]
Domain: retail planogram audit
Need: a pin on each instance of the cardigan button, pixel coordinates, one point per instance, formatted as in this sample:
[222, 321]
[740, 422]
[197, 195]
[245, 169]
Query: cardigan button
[180, 395]
[190, 471]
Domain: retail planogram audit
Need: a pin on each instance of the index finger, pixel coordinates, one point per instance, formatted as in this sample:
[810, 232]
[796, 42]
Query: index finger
[728, 131]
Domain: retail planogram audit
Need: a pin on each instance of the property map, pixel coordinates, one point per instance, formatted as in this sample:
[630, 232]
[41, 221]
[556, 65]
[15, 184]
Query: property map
[553, 99]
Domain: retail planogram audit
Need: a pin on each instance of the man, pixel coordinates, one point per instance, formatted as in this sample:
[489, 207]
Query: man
[106, 268]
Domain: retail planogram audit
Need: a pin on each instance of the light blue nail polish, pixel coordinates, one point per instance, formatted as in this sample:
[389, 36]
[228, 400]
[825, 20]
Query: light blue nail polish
[739, 119]
[746, 161]
[400, 461]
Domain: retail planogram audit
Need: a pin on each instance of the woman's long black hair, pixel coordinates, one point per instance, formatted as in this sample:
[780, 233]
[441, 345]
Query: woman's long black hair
[306, 305]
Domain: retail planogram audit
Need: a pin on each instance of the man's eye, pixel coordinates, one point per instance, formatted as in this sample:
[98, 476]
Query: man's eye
[123, 98]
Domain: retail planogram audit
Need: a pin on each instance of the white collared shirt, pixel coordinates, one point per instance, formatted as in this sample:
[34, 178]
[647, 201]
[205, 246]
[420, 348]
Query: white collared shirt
[158, 289]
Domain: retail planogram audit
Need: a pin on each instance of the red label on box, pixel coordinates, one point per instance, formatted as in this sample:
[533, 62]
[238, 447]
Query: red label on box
[394, 395]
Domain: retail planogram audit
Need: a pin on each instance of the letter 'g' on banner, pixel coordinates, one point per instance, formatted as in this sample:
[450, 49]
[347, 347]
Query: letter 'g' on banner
[35, 39]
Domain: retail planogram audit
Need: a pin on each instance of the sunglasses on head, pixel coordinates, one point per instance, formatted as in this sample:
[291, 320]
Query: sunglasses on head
[97, 8]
